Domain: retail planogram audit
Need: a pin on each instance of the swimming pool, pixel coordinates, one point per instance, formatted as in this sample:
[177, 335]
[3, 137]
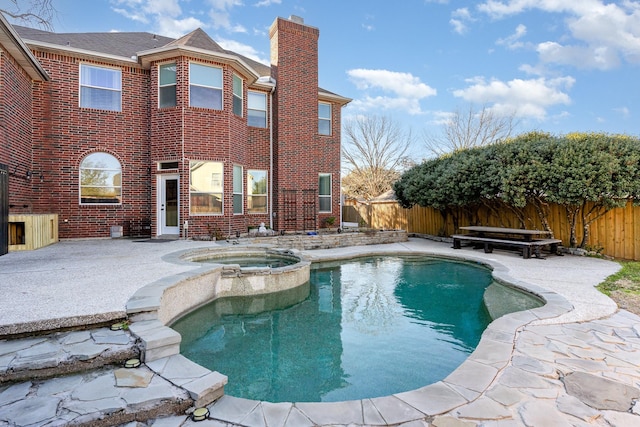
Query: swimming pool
[363, 328]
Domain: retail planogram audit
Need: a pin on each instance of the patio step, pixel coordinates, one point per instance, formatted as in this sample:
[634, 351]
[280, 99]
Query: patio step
[103, 397]
[70, 378]
[64, 353]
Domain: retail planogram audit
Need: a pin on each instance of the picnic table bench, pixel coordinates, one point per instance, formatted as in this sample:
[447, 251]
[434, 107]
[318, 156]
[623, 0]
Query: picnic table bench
[529, 241]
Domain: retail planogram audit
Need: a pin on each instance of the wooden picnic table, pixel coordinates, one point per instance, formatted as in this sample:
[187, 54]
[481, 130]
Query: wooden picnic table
[530, 241]
[527, 235]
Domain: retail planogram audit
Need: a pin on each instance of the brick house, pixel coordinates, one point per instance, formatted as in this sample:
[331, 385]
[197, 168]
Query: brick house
[167, 137]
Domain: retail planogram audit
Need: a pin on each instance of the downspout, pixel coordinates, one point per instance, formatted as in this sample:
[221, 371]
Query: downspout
[179, 176]
[271, 156]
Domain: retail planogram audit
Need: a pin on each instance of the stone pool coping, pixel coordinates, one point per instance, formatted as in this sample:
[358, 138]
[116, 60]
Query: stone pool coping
[44, 288]
[459, 388]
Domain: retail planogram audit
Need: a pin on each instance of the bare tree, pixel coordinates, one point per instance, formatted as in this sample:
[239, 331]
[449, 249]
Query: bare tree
[38, 12]
[374, 153]
[470, 128]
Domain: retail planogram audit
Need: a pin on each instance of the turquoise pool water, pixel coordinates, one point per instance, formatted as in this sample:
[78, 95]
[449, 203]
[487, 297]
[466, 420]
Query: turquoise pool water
[360, 329]
[253, 261]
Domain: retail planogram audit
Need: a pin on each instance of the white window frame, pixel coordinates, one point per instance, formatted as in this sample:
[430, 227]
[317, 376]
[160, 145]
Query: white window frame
[236, 96]
[235, 190]
[251, 107]
[174, 84]
[325, 196]
[114, 171]
[83, 102]
[250, 193]
[215, 88]
[215, 179]
[322, 119]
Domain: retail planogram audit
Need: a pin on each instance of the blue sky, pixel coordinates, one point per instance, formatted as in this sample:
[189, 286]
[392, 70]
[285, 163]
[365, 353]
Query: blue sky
[558, 65]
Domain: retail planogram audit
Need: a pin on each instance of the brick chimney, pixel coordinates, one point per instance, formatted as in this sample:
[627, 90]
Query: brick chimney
[294, 66]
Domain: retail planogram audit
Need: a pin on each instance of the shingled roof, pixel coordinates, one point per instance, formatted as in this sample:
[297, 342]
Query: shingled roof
[129, 44]
[126, 44]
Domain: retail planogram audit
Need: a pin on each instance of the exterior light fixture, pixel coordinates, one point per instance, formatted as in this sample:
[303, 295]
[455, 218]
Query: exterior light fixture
[132, 363]
[117, 326]
[200, 414]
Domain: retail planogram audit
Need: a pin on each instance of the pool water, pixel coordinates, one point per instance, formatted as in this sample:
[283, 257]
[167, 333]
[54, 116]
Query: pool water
[253, 261]
[368, 327]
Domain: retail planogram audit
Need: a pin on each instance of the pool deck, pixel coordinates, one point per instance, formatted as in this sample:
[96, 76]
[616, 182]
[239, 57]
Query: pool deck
[573, 362]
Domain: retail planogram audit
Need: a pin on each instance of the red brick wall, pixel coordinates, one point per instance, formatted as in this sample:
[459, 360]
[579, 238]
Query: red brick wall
[15, 131]
[64, 134]
[302, 154]
[141, 135]
[185, 133]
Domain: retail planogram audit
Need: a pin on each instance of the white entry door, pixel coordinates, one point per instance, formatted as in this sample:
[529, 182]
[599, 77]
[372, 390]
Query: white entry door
[168, 212]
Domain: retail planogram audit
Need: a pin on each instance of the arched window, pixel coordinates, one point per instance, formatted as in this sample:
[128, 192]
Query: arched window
[100, 179]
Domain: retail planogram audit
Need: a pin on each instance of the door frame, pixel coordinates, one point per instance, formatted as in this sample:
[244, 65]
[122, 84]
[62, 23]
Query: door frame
[161, 229]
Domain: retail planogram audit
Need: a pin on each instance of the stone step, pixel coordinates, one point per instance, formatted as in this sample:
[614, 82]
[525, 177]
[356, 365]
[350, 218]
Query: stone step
[161, 352]
[64, 353]
[69, 378]
[103, 397]
[157, 340]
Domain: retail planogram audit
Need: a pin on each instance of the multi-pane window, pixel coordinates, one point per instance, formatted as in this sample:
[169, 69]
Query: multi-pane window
[237, 189]
[100, 88]
[324, 192]
[205, 86]
[257, 109]
[100, 179]
[257, 191]
[167, 86]
[205, 188]
[324, 118]
[237, 95]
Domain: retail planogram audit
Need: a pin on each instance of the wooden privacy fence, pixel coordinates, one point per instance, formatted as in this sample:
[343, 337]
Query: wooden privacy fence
[617, 233]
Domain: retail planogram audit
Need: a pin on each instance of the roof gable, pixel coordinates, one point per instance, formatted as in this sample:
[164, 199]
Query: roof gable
[197, 39]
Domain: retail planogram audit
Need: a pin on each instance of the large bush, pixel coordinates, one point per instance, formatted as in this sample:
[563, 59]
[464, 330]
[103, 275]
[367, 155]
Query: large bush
[588, 174]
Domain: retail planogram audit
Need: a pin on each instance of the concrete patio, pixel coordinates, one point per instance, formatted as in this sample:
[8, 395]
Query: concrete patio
[573, 362]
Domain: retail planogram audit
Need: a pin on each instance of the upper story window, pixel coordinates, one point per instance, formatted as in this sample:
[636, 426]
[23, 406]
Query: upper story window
[167, 85]
[100, 179]
[100, 88]
[257, 109]
[237, 95]
[205, 86]
[324, 118]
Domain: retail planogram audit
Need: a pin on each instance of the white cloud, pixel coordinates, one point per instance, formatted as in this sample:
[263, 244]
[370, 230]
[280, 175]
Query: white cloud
[601, 35]
[242, 49]
[459, 19]
[623, 111]
[177, 27]
[400, 91]
[441, 117]
[602, 57]
[132, 15]
[513, 41]
[168, 19]
[534, 70]
[526, 98]
[458, 26]
[267, 3]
